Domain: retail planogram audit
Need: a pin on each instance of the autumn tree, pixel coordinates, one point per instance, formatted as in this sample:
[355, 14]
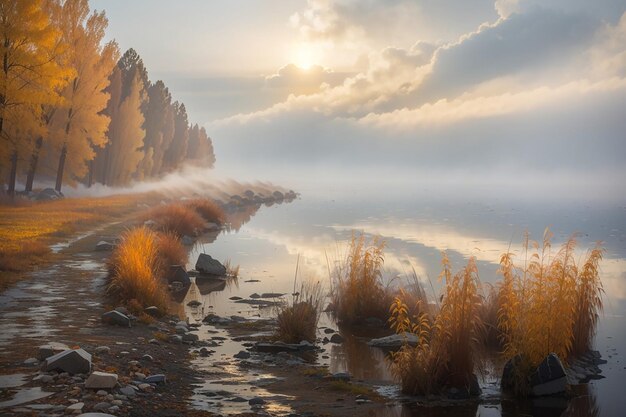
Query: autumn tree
[200, 147]
[31, 77]
[159, 125]
[78, 125]
[177, 151]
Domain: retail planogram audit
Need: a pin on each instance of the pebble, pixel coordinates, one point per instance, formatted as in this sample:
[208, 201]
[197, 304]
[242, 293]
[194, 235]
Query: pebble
[47, 379]
[242, 355]
[147, 358]
[31, 361]
[117, 402]
[101, 406]
[153, 342]
[101, 393]
[103, 349]
[76, 407]
[128, 391]
[256, 401]
[140, 376]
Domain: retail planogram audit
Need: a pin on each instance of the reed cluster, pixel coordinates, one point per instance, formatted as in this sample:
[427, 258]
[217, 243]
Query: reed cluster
[298, 321]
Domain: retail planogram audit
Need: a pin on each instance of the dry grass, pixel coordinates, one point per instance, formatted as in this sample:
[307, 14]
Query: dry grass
[135, 277]
[358, 291]
[298, 321]
[447, 352]
[348, 387]
[208, 209]
[547, 305]
[176, 218]
[170, 251]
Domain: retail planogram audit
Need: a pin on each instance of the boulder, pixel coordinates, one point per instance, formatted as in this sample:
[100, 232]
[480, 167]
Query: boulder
[549, 378]
[115, 317]
[336, 338]
[104, 246]
[207, 265]
[73, 361]
[48, 194]
[101, 380]
[152, 311]
[50, 349]
[394, 342]
[177, 273]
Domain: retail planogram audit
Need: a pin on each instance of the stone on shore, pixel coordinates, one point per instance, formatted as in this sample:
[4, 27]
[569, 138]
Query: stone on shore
[207, 265]
[50, 349]
[549, 378]
[156, 379]
[101, 380]
[73, 361]
[395, 341]
[115, 317]
[104, 246]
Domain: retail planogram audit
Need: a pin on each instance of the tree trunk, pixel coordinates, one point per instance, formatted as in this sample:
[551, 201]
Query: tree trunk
[61, 167]
[13, 176]
[105, 165]
[90, 174]
[30, 177]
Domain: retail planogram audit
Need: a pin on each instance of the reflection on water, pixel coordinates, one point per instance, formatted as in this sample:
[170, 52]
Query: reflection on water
[416, 228]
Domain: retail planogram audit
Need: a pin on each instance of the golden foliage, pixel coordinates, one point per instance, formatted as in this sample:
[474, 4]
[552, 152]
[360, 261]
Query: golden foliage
[135, 276]
[176, 218]
[170, 251]
[358, 291]
[446, 353]
[208, 209]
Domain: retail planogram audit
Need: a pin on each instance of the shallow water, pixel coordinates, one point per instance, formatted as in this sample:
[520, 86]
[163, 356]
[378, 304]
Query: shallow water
[417, 226]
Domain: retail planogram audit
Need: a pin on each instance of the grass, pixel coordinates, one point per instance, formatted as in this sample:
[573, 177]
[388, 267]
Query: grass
[358, 291]
[27, 228]
[176, 218]
[447, 351]
[135, 274]
[549, 304]
[298, 321]
[208, 210]
[170, 251]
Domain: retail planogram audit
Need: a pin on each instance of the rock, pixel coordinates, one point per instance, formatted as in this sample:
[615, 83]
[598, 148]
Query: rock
[340, 376]
[76, 361]
[48, 194]
[181, 330]
[190, 337]
[31, 361]
[175, 338]
[96, 415]
[235, 298]
[145, 387]
[255, 295]
[101, 380]
[139, 376]
[152, 311]
[101, 406]
[549, 378]
[50, 349]
[275, 347]
[177, 273]
[329, 331]
[336, 338]
[128, 391]
[394, 342]
[194, 303]
[206, 264]
[104, 246]
[103, 350]
[101, 393]
[46, 379]
[75, 408]
[115, 317]
[147, 357]
[187, 240]
[156, 379]
[256, 401]
[507, 382]
[242, 355]
[122, 310]
[272, 295]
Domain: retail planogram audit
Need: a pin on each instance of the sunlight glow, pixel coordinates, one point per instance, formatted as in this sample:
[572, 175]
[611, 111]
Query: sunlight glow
[305, 55]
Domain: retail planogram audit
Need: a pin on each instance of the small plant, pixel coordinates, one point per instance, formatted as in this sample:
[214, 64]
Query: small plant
[135, 270]
[298, 321]
[446, 354]
[358, 291]
[209, 210]
[175, 218]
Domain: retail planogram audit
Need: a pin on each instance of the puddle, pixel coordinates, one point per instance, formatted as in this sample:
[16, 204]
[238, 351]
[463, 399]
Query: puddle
[13, 380]
[25, 395]
[58, 247]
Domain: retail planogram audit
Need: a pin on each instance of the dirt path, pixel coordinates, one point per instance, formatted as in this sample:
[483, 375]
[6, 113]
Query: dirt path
[63, 303]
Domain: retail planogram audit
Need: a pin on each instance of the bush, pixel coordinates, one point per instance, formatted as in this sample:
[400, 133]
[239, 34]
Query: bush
[549, 305]
[176, 218]
[447, 349]
[135, 270]
[358, 291]
[209, 210]
[298, 321]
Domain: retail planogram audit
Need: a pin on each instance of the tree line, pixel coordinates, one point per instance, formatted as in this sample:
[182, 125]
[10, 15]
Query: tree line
[72, 109]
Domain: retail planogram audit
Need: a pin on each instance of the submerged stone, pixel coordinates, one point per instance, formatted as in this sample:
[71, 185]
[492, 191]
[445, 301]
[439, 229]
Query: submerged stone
[395, 341]
[207, 265]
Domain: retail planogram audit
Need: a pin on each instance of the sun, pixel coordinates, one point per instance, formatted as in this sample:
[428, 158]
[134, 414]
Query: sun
[305, 56]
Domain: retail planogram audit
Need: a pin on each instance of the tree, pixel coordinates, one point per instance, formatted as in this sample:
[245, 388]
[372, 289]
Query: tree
[177, 151]
[159, 127]
[200, 147]
[78, 126]
[31, 77]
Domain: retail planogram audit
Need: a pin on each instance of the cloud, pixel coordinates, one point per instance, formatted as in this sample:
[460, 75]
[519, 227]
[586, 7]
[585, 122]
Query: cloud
[298, 81]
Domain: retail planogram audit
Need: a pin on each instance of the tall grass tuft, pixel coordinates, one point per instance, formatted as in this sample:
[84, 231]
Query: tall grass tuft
[176, 218]
[135, 270]
[298, 321]
[358, 291]
[447, 351]
[209, 210]
[547, 305]
[170, 251]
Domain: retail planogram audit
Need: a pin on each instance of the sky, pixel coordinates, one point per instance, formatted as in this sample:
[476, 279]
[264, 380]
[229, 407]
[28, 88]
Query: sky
[504, 92]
